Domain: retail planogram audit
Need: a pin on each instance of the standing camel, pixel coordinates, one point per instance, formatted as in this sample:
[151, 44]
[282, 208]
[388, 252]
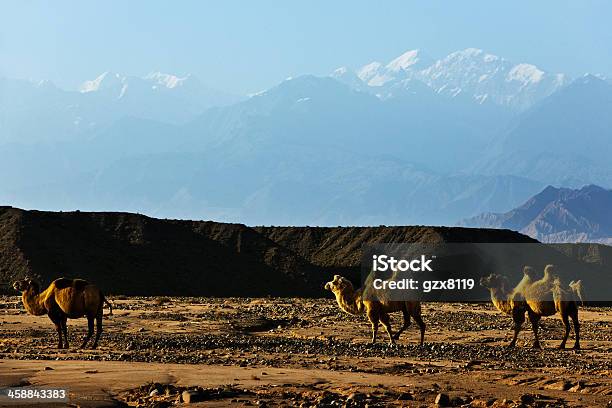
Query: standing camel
[543, 297]
[377, 310]
[63, 299]
[547, 297]
[506, 300]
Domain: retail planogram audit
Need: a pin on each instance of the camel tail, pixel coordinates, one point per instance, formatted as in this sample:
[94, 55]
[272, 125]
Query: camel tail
[557, 290]
[578, 290]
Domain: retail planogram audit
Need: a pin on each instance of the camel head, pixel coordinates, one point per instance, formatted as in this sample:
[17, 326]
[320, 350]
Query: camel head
[339, 284]
[549, 271]
[494, 281]
[25, 284]
[529, 272]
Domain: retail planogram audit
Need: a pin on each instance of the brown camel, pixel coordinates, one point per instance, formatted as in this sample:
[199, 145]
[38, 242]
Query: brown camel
[63, 299]
[543, 297]
[506, 300]
[377, 310]
[547, 297]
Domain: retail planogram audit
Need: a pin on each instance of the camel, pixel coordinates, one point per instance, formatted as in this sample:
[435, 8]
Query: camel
[376, 309]
[65, 298]
[547, 297]
[506, 300]
[543, 297]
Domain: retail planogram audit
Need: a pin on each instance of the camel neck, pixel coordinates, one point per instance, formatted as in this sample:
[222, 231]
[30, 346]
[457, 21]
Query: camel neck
[350, 301]
[501, 300]
[33, 302]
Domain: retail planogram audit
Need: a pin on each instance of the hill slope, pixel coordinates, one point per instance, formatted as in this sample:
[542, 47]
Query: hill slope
[558, 215]
[133, 254]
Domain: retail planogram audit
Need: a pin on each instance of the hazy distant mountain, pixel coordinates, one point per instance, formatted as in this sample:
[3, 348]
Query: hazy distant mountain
[31, 112]
[471, 73]
[565, 139]
[410, 141]
[558, 215]
[158, 96]
[308, 151]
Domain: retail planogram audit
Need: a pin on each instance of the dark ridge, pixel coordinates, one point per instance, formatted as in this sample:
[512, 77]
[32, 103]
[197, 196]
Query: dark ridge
[133, 254]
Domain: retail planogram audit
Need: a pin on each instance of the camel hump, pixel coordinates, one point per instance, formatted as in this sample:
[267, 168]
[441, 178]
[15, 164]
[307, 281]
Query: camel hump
[80, 283]
[63, 283]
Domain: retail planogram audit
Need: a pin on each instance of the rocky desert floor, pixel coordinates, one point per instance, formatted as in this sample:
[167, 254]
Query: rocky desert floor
[160, 352]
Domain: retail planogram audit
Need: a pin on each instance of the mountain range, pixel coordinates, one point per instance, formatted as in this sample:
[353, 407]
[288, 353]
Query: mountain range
[471, 73]
[413, 141]
[557, 215]
[38, 111]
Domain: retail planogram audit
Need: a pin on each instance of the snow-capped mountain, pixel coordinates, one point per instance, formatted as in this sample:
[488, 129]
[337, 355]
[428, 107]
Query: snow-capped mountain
[563, 140]
[376, 74]
[34, 111]
[413, 140]
[154, 82]
[472, 72]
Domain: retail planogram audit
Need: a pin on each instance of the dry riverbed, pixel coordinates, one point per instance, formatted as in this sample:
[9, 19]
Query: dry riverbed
[304, 352]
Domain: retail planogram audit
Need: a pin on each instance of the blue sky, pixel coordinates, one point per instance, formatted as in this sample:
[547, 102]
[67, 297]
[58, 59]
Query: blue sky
[246, 46]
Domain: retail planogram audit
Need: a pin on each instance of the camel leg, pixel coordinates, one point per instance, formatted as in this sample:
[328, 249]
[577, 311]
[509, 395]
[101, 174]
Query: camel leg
[98, 328]
[386, 322]
[574, 316]
[404, 326]
[373, 318]
[518, 317]
[90, 330]
[419, 321]
[535, 320]
[566, 325]
[64, 323]
[58, 327]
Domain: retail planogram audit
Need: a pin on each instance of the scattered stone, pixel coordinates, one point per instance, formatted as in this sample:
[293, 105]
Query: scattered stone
[456, 402]
[405, 396]
[442, 400]
[578, 387]
[49, 368]
[189, 397]
[356, 396]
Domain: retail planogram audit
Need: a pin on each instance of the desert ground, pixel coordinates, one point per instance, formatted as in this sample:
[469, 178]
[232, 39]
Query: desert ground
[159, 351]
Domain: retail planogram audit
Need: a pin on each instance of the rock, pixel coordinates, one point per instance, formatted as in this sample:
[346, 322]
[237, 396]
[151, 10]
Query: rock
[190, 397]
[456, 402]
[560, 386]
[405, 396]
[442, 400]
[356, 396]
[527, 398]
[49, 368]
[154, 393]
[578, 387]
